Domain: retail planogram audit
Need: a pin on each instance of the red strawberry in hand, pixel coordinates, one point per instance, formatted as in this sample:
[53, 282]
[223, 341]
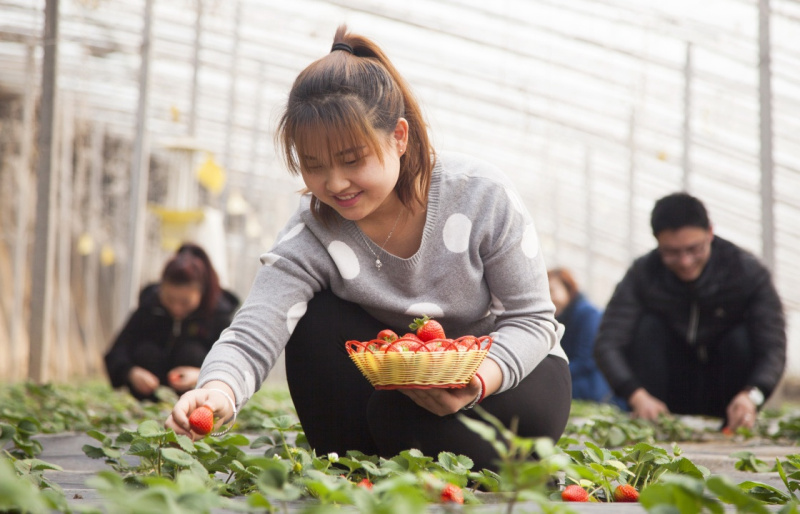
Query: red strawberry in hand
[626, 493]
[202, 420]
[427, 328]
[574, 493]
[452, 494]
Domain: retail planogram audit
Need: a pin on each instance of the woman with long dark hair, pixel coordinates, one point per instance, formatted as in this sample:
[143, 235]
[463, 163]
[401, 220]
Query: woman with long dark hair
[174, 326]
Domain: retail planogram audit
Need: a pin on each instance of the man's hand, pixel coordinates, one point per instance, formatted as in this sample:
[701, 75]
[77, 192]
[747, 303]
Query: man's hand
[142, 381]
[646, 406]
[741, 412]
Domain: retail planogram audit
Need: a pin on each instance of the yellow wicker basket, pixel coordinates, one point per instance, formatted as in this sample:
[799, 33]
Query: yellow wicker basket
[418, 369]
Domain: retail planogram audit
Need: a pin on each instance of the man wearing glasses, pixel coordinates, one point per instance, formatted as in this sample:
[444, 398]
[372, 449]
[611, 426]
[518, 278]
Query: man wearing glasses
[695, 326]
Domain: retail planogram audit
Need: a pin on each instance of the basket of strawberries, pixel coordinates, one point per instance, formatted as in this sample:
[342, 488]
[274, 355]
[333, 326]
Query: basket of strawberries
[423, 359]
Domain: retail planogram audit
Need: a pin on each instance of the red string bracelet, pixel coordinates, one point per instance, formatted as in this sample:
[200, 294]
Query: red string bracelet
[483, 388]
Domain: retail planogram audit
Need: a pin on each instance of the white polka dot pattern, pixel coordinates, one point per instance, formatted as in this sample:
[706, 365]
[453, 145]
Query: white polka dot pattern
[268, 259]
[345, 259]
[516, 201]
[456, 233]
[496, 307]
[293, 232]
[430, 309]
[530, 242]
[296, 312]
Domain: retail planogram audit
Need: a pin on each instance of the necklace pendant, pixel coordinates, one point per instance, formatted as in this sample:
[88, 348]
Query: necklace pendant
[378, 263]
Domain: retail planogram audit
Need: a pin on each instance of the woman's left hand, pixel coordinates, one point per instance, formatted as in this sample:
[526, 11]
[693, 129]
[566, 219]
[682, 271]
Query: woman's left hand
[449, 401]
[445, 401]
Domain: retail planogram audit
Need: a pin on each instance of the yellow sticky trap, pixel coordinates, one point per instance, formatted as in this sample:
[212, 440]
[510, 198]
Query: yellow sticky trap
[85, 244]
[211, 175]
[107, 256]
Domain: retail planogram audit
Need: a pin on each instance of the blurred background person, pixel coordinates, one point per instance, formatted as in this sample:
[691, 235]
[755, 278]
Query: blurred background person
[581, 320]
[174, 326]
[696, 326]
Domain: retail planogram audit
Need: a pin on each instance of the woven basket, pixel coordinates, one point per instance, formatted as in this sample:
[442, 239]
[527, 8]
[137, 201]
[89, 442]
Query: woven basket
[421, 369]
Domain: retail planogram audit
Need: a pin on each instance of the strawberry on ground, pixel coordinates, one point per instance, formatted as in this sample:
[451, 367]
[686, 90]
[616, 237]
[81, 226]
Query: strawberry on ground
[452, 494]
[427, 328]
[626, 493]
[574, 493]
[202, 420]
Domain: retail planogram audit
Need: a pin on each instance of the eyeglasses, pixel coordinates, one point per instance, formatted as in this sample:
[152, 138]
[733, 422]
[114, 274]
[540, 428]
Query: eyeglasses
[694, 251]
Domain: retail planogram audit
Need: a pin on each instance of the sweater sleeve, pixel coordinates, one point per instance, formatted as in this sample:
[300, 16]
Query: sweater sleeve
[767, 327]
[525, 329]
[616, 334]
[291, 273]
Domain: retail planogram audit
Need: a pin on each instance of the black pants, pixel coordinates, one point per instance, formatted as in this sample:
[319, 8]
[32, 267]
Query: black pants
[340, 411]
[690, 380]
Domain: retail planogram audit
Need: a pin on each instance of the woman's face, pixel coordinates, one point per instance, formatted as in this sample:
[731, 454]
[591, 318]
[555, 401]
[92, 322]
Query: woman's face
[358, 184]
[559, 294]
[180, 300]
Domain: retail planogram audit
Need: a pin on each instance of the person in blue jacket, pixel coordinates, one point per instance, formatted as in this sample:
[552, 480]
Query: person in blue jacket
[581, 320]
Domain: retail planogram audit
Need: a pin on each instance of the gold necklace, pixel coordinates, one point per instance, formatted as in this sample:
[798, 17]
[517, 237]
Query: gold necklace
[378, 263]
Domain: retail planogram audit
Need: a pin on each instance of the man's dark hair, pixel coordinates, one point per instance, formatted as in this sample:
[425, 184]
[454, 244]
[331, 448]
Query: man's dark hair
[676, 211]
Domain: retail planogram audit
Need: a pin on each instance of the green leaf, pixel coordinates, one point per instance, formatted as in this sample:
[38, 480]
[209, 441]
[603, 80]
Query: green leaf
[727, 492]
[177, 456]
[151, 429]
[764, 492]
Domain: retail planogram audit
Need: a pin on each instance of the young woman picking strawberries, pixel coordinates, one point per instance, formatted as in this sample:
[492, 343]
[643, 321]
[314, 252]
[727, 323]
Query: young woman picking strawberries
[388, 231]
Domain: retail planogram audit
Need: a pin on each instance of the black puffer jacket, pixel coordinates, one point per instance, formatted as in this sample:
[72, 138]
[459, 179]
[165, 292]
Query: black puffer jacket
[152, 322]
[734, 288]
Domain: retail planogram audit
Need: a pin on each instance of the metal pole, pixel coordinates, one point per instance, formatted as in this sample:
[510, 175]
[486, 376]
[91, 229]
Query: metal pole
[589, 215]
[23, 217]
[64, 240]
[631, 182]
[139, 175]
[198, 30]
[687, 118]
[41, 270]
[230, 122]
[765, 112]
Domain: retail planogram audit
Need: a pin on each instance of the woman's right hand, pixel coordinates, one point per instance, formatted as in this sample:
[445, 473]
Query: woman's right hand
[142, 381]
[208, 395]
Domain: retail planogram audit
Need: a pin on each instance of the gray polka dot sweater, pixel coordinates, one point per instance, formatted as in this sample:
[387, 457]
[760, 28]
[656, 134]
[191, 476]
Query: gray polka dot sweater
[479, 248]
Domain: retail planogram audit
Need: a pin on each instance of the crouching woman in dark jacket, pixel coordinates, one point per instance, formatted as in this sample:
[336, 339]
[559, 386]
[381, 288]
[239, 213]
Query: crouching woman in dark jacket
[177, 321]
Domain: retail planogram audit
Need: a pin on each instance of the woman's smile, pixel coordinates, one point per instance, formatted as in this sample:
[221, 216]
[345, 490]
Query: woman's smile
[347, 200]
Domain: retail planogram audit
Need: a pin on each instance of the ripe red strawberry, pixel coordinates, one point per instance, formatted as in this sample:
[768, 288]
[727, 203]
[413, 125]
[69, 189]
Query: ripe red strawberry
[202, 420]
[452, 494]
[365, 483]
[574, 493]
[387, 335]
[403, 345]
[427, 328]
[626, 493]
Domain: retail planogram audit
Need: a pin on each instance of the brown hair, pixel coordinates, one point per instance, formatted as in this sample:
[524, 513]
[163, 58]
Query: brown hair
[567, 279]
[347, 100]
[191, 265]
